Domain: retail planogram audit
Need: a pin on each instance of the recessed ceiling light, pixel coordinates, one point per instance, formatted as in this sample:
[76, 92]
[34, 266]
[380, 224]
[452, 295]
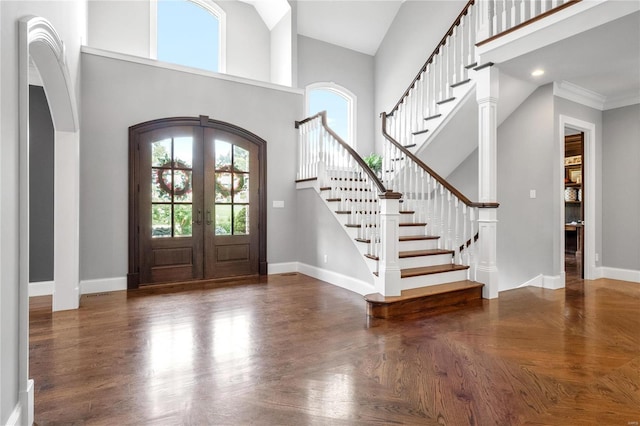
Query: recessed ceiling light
[537, 73]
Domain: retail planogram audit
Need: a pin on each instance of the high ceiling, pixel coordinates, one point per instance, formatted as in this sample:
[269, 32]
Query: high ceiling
[357, 25]
[604, 60]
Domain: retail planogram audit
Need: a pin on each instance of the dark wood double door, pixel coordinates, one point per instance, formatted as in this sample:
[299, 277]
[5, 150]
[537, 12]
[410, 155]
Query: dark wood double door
[196, 210]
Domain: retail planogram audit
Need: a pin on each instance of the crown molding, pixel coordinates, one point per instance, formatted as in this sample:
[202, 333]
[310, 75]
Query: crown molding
[575, 93]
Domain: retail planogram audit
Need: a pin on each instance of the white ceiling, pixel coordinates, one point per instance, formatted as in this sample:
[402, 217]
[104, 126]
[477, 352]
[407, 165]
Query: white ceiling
[347, 23]
[604, 60]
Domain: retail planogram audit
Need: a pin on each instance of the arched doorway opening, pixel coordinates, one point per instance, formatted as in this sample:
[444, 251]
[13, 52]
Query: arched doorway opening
[40, 43]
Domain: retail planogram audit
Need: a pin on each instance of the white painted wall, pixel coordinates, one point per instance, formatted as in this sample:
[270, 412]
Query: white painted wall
[319, 234]
[411, 38]
[123, 26]
[118, 94]
[69, 20]
[526, 160]
[281, 52]
[323, 62]
[620, 192]
[120, 26]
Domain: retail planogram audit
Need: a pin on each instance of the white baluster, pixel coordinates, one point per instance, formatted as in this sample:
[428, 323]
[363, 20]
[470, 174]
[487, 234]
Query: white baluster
[471, 35]
[504, 22]
[456, 224]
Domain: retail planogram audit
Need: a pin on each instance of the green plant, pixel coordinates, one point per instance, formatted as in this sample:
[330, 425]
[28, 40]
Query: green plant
[374, 161]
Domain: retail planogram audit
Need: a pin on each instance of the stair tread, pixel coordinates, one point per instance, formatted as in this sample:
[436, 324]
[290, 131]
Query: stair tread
[428, 270]
[418, 253]
[413, 224]
[431, 290]
[460, 83]
[418, 237]
[407, 211]
[444, 101]
[419, 132]
[432, 117]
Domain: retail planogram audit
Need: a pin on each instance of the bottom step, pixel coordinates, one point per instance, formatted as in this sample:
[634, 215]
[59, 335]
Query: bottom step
[431, 299]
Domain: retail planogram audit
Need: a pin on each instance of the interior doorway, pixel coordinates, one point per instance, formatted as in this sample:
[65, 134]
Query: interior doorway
[574, 203]
[571, 126]
[197, 201]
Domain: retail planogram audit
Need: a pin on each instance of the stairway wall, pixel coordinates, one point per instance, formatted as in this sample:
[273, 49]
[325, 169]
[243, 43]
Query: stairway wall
[323, 62]
[319, 233]
[417, 28]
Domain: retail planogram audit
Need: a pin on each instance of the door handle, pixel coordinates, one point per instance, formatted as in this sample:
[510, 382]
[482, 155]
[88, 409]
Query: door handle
[208, 217]
[198, 220]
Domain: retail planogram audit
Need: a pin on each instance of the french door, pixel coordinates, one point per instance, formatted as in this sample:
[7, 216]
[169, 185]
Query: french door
[196, 201]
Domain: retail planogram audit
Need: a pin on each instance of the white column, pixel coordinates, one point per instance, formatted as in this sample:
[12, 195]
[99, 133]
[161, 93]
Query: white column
[388, 281]
[66, 267]
[487, 97]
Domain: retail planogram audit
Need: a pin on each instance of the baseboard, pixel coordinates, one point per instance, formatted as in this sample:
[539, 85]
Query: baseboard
[41, 288]
[536, 281]
[337, 279]
[282, 268]
[103, 285]
[331, 277]
[545, 281]
[14, 418]
[618, 274]
[553, 282]
[23, 412]
[28, 403]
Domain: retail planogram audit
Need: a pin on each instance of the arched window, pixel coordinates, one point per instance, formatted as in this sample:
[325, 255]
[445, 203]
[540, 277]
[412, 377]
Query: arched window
[340, 105]
[190, 33]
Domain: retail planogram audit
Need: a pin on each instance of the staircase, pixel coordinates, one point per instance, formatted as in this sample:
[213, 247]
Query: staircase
[418, 235]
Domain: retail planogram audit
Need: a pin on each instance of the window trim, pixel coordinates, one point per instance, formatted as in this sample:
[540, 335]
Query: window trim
[349, 96]
[210, 7]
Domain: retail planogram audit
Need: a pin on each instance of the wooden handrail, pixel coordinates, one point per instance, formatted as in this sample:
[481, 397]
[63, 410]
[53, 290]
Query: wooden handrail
[426, 168]
[435, 52]
[350, 150]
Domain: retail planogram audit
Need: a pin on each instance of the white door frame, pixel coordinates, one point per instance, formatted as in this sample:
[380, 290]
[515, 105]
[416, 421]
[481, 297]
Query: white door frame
[588, 193]
[39, 41]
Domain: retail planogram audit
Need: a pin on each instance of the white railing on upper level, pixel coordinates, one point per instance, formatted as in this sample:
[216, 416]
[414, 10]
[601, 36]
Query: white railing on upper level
[454, 56]
[323, 155]
[497, 16]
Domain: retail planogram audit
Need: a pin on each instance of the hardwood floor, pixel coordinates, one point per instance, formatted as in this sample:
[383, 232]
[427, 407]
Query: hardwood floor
[291, 350]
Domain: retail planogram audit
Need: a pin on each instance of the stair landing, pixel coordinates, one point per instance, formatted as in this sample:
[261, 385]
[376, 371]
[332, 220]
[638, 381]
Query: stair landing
[432, 299]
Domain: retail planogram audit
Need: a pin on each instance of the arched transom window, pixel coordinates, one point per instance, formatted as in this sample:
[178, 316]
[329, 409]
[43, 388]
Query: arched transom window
[340, 105]
[190, 33]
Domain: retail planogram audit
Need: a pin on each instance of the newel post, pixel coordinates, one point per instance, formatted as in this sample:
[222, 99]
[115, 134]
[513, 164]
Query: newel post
[388, 281]
[487, 97]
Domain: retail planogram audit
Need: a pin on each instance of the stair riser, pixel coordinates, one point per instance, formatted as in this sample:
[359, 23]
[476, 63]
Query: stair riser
[406, 231]
[372, 264]
[418, 245]
[419, 261]
[433, 279]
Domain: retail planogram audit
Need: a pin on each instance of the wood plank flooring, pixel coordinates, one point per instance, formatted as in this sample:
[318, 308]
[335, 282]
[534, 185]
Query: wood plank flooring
[292, 350]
